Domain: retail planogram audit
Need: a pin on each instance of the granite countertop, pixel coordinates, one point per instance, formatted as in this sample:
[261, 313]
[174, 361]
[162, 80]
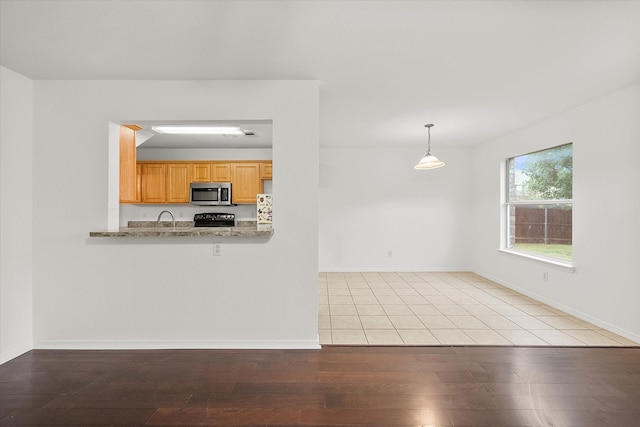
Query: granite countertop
[185, 229]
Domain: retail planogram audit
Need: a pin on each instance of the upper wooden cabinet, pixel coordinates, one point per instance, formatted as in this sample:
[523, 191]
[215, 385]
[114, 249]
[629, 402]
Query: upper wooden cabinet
[128, 178]
[266, 170]
[245, 181]
[138, 183]
[211, 172]
[221, 172]
[168, 181]
[154, 184]
[201, 172]
[178, 177]
[163, 182]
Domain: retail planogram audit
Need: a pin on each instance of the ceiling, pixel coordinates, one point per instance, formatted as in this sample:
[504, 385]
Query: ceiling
[476, 69]
[260, 135]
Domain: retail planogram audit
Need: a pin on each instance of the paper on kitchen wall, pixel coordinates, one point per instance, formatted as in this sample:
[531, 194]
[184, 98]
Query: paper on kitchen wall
[265, 208]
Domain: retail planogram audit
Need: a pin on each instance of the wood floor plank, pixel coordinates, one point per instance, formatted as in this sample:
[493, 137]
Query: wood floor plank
[80, 416]
[333, 386]
[224, 416]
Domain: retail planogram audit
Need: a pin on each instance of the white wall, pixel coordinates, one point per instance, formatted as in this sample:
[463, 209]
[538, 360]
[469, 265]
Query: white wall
[605, 288]
[372, 201]
[204, 154]
[108, 293]
[170, 292]
[16, 151]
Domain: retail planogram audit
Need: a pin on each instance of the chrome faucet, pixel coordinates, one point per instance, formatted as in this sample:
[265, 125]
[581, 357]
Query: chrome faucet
[173, 218]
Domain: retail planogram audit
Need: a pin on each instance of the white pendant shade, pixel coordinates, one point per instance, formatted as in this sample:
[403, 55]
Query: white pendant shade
[429, 162]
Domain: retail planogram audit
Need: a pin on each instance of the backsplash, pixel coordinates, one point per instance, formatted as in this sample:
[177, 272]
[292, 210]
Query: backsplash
[181, 212]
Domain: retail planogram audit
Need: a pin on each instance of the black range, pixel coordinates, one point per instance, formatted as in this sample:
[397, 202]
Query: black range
[214, 219]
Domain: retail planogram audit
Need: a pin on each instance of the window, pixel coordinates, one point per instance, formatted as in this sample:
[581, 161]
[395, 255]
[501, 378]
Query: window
[539, 203]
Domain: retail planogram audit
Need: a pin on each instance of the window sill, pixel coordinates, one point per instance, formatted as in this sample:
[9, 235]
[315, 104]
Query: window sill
[561, 265]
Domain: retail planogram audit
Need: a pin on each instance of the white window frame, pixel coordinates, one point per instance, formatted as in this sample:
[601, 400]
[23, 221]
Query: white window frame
[507, 244]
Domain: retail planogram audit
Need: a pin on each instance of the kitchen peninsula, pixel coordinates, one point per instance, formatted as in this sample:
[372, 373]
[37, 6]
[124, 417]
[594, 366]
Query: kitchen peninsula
[186, 229]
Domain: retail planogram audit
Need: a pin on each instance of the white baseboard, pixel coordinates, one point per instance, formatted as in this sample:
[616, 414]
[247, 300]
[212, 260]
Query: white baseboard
[580, 315]
[175, 344]
[9, 355]
[393, 270]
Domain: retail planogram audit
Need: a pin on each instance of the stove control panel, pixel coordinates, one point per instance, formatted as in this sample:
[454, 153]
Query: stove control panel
[214, 219]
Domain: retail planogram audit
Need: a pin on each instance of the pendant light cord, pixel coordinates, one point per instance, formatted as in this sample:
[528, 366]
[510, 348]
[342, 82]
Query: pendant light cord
[428, 138]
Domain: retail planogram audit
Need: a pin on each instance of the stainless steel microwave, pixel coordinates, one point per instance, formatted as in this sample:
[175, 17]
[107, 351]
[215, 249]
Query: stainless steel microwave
[210, 193]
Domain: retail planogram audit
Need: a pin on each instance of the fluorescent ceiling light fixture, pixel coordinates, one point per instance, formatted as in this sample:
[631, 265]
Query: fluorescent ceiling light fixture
[198, 130]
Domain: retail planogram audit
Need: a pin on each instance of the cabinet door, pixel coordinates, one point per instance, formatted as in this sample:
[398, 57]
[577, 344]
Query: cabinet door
[266, 170]
[201, 172]
[127, 165]
[178, 176]
[221, 172]
[138, 183]
[153, 183]
[245, 179]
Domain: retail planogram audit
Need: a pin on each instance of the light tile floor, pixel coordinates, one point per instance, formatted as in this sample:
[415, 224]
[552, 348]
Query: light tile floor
[443, 309]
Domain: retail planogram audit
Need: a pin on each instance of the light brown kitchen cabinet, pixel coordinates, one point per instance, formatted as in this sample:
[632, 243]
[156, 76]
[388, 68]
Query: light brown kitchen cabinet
[211, 172]
[201, 172]
[221, 172]
[138, 183]
[178, 177]
[164, 182]
[245, 180]
[153, 185]
[266, 170]
[128, 178]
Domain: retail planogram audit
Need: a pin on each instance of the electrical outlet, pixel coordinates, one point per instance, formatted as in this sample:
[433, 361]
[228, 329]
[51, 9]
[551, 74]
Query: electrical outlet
[217, 249]
[545, 276]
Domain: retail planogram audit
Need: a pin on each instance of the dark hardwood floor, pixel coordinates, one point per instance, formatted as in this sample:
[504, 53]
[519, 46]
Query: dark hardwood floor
[390, 386]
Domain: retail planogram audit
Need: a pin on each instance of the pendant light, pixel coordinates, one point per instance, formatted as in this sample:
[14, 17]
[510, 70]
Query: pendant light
[429, 161]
